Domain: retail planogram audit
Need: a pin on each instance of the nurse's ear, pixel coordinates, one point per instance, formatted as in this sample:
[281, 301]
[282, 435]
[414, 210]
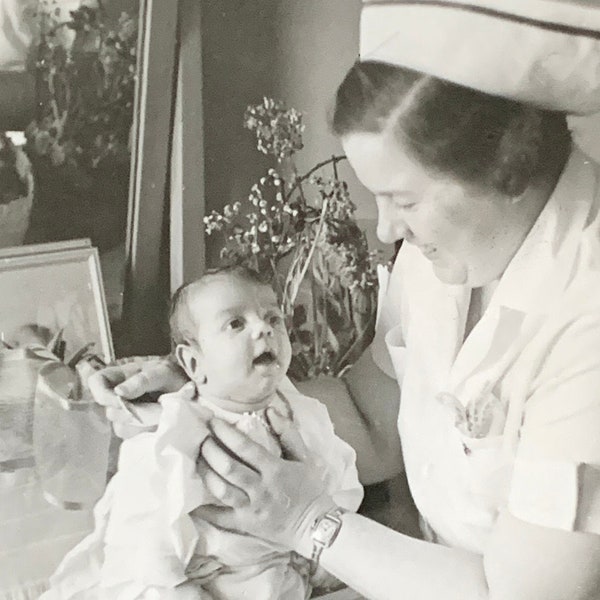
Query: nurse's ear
[191, 361]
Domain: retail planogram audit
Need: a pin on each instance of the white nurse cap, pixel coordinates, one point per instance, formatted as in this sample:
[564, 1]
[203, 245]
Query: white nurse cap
[545, 52]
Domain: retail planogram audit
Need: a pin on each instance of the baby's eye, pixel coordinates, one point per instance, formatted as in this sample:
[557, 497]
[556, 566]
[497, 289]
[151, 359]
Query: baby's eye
[236, 324]
[275, 320]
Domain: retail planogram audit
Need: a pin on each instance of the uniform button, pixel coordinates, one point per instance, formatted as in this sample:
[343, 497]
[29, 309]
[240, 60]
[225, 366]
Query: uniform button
[427, 470]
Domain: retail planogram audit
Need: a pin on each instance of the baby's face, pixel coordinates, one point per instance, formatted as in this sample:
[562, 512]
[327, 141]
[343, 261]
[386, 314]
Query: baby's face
[244, 346]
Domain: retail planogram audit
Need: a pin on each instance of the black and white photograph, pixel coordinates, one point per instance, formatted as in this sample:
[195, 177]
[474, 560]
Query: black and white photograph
[299, 299]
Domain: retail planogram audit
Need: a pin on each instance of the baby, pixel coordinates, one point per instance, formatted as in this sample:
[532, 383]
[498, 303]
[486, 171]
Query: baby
[231, 340]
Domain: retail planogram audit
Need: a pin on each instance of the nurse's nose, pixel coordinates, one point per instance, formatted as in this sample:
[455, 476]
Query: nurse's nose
[261, 328]
[391, 227]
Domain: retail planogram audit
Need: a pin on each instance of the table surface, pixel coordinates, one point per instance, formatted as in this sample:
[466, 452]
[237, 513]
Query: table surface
[34, 535]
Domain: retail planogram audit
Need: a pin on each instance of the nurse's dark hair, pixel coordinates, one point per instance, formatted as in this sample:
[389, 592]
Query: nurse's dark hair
[182, 322]
[480, 139]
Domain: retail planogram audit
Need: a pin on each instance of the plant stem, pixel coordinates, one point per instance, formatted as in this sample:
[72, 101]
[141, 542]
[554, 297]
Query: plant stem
[335, 169]
[297, 186]
[299, 182]
[313, 246]
[355, 344]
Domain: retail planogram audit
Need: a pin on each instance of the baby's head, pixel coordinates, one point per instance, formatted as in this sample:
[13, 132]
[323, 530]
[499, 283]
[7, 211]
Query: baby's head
[230, 338]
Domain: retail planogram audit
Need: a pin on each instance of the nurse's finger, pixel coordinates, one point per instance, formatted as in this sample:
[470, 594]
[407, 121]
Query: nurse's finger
[225, 492]
[124, 425]
[229, 468]
[221, 516]
[291, 441]
[153, 375]
[240, 445]
[118, 415]
[102, 385]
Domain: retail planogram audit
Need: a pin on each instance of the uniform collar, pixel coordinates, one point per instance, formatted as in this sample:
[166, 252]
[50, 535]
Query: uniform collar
[541, 267]
[534, 280]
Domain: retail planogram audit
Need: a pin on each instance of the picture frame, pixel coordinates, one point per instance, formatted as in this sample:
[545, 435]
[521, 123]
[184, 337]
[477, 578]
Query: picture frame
[47, 247]
[56, 286]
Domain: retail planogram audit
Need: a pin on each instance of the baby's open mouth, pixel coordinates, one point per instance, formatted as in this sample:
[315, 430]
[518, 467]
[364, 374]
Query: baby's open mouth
[266, 358]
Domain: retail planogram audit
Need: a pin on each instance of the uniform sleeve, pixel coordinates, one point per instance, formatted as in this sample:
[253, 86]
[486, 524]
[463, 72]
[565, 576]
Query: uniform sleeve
[388, 353]
[556, 477]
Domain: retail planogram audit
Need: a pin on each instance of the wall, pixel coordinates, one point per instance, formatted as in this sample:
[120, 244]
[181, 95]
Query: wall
[317, 42]
[294, 50]
[237, 63]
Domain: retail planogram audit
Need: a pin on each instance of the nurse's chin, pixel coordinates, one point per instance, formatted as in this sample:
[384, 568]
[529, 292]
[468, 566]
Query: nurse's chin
[450, 274]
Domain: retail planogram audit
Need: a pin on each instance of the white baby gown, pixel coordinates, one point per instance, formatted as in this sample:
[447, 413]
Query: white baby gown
[148, 545]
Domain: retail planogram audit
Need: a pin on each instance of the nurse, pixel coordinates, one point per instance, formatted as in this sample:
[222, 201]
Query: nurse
[455, 120]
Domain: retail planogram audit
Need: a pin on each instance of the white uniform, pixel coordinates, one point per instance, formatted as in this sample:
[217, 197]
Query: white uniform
[147, 541]
[509, 419]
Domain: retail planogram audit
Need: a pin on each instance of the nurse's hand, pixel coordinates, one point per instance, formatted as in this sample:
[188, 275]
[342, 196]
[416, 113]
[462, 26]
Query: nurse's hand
[131, 379]
[269, 497]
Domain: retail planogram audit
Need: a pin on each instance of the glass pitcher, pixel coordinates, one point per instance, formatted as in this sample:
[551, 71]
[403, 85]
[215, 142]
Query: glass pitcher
[71, 438]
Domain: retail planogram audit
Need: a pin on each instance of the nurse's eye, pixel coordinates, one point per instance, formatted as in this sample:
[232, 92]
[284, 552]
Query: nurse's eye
[236, 324]
[404, 204]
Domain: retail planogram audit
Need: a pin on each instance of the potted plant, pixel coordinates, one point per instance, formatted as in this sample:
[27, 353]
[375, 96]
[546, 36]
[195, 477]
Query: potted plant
[16, 193]
[79, 142]
[299, 230]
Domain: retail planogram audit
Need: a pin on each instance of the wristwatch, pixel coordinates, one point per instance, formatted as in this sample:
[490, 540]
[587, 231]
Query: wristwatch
[324, 531]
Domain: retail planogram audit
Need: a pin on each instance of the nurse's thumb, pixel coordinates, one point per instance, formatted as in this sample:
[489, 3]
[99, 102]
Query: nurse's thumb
[292, 444]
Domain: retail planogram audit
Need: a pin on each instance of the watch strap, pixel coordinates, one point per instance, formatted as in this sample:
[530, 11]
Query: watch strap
[334, 519]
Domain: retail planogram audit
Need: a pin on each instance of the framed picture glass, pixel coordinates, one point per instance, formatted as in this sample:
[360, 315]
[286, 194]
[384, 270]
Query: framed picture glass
[54, 287]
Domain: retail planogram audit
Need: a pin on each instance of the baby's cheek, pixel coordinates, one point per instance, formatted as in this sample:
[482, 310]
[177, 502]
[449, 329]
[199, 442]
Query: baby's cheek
[286, 352]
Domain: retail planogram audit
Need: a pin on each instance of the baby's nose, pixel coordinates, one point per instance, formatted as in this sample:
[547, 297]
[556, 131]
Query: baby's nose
[262, 329]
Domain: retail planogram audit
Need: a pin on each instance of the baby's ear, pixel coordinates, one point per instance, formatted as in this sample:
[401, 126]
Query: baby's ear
[190, 360]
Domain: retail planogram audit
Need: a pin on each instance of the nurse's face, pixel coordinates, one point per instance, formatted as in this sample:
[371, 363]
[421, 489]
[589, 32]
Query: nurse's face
[468, 235]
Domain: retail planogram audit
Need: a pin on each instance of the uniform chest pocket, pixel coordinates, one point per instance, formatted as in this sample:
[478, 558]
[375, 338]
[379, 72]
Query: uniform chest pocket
[478, 433]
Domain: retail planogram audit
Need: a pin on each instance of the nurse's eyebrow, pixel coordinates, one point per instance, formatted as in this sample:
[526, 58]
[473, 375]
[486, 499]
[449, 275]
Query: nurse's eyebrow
[393, 192]
[400, 194]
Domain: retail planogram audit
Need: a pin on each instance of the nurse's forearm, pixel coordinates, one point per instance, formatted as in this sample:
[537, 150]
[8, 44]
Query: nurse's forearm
[382, 564]
[376, 398]
[377, 449]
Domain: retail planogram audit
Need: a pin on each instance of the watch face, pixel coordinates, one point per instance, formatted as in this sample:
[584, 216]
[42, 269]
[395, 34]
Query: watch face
[326, 530]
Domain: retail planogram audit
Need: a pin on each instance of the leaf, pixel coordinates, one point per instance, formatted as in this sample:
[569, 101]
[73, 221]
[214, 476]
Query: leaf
[79, 355]
[300, 316]
[305, 336]
[40, 352]
[54, 343]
